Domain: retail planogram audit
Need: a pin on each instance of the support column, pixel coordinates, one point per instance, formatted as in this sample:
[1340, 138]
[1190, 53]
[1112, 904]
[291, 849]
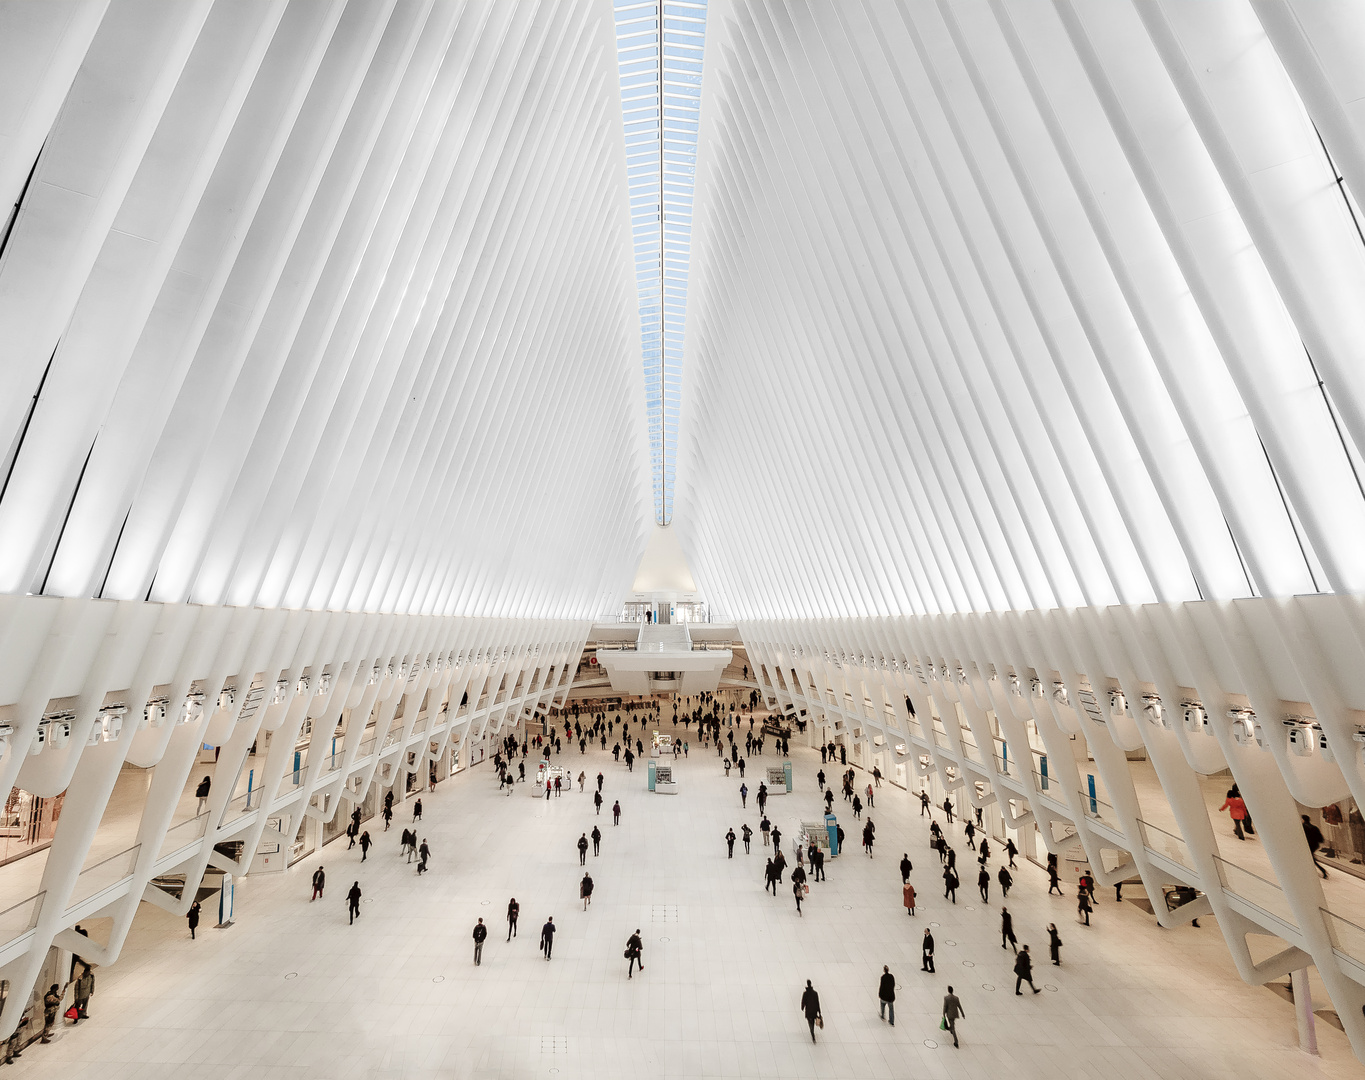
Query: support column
[1303, 1009]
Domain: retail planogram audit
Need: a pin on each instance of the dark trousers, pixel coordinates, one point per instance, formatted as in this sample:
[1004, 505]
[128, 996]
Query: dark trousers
[772, 884]
[355, 910]
[746, 847]
[595, 845]
[952, 1025]
[1019, 980]
[631, 969]
[511, 929]
[583, 857]
[730, 848]
[819, 872]
[811, 1021]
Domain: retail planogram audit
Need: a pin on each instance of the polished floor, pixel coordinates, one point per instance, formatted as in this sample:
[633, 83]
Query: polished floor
[293, 991]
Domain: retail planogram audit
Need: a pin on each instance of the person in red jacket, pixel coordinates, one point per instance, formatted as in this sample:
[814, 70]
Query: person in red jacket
[1234, 805]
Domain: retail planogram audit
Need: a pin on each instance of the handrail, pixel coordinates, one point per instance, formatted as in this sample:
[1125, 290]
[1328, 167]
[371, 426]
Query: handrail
[1173, 847]
[182, 835]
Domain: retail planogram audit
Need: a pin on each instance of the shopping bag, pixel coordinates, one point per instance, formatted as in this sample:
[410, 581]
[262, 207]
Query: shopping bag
[820, 1022]
[943, 1023]
[72, 1013]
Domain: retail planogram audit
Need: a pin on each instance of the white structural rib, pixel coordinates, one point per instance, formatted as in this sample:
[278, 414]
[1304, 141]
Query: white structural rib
[1025, 351]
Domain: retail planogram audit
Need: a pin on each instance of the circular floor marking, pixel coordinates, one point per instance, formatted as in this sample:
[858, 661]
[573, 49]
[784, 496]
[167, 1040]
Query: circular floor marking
[848, 907]
[950, 943]
[987, 986]
[933, 924]
[1049, 986]
[292, 975]
[968, 963]
[367, 901]
[439, 979]
[970, 908]
[663, 939]
[484, 903]
[931, 1044]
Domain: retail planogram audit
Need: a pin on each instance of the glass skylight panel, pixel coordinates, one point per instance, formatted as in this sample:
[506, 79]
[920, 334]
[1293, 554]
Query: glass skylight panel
[660, 103]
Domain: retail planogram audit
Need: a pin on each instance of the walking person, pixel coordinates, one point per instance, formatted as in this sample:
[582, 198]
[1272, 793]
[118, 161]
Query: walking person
[1054, 881]
[1313, 835]
[1235, 806]
[513, 910]
[798, 891]
[869, 834]
[1011, 851]
[192, 917]
[730, 844]
[926, 952]
[770, 876]
[616, 812]
[319, 882]
[365, 843]
[857, 807]
[423, 854]
[480, 934]
[202, 794]
[950, 884]
[1083, 907]
[765, 827]
[748, 834]
[1023, 972]
[585, 890]
[908, 898]
[948, 809]
[1007, 930]
[743, 796]
[547, 937]
[924, 804]
[597, 800]
[906, 867]
[777, 845]
[596, 835]
[417, 810]
[353, 901]
[635, 950]
[583, 850]
[1054, 944]
[810, 1005]
[818, 865]
[952, 1009]
[886, 994]
[1005, 882]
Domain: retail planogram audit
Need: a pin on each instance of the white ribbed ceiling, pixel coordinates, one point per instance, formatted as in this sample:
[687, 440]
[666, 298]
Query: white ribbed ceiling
[992, 306]
[318, 304]
[1006, 306]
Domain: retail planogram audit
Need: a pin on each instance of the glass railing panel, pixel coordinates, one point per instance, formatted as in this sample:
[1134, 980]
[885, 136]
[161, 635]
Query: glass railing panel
[17, 920]
[1100, 811]
[103, 874]
[1255, 890]
[1348, 938]
[183, 835]
[1166, 843]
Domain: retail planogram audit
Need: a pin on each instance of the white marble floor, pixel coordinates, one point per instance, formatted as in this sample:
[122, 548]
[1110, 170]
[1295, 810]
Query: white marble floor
[293, 991]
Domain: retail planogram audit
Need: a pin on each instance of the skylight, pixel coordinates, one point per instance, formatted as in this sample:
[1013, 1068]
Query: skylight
[660, 106]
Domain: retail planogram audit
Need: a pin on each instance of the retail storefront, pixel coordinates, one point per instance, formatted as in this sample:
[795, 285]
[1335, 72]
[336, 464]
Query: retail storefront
[28, 823]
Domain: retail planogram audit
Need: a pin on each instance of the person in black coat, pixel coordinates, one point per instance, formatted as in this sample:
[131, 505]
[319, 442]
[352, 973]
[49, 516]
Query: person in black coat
[1007, 930]
[480, 935]
[926, 946]
[192, 917]
[1054, 944]
[513, 910]
[983, 882]
[635, 948]
[583, 850]
[1023, 972]
[319, 883]
[886, 994]
[596, 835]
[1005, 882]
[547, 937]
[810, 1005]
[730, 844]
[950, 884]
[353, 901]
[906, 867]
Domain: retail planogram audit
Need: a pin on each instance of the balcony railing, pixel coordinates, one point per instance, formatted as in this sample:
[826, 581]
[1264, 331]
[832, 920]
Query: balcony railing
[1255, 890]
[110, 871]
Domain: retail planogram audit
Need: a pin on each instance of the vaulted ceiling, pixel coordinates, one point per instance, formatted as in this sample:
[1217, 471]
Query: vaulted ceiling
[986, 305]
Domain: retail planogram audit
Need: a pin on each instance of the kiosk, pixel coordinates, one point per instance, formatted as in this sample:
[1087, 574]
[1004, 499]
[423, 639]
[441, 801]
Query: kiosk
[779, 778]
[547, 772]
[661, 780]
[660, 744]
